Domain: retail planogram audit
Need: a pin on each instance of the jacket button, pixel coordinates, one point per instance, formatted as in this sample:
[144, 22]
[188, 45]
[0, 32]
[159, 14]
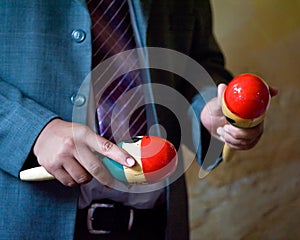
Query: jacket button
[78, 99]
[78, 35]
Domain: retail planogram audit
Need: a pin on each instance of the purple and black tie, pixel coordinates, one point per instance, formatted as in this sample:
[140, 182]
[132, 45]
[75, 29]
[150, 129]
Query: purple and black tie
[111, 34]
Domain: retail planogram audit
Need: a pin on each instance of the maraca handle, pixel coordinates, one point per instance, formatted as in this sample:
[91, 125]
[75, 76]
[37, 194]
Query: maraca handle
[227, 153]
[35, 174]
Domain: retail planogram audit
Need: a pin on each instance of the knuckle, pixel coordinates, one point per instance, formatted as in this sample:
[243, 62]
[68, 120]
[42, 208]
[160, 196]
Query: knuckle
[237, 134]
[107, 146]
[95, 169]
[81, 132]
[71, 183]
[68, 143]
[84, 131]
[83, 179]
[65, 179]
[53, 166]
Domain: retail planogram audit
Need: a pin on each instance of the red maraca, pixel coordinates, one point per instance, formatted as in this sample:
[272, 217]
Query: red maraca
[156, 159]
[245, 102]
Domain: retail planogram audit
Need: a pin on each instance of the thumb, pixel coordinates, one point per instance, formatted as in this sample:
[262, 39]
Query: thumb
[221, 89]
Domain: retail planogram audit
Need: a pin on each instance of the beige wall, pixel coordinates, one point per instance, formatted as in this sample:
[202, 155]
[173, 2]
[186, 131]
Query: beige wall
[257, 194]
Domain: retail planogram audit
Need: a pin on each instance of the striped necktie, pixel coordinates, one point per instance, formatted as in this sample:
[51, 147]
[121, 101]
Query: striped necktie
[111, 34]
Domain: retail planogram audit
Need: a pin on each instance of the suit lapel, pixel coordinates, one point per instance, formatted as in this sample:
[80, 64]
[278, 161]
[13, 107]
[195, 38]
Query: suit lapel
[177, 208]
[139, 16]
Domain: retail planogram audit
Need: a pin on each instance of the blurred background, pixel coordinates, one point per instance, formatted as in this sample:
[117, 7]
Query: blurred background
[257, 194]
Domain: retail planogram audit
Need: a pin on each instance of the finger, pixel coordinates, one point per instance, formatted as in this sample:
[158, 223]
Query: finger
[76, 171]
[64, 177]
[221, 89]
[241, 146]
[239, 143]
[243, 133]
[93, 164]
[233, 142]
[110, 150]
[242, 139]
[56, 169]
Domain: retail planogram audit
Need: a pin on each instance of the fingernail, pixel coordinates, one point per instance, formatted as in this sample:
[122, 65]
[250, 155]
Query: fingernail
[130, 162]
[220, 131]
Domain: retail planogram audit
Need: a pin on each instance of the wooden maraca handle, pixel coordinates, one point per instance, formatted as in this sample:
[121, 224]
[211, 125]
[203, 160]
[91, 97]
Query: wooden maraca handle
[35, 174]
[227, 153]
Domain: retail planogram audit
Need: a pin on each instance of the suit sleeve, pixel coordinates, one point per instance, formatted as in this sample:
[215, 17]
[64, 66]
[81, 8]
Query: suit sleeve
[206, 51]
[21, 121]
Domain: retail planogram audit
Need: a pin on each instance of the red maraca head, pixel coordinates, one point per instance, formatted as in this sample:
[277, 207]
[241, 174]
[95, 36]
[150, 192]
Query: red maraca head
[247, 97]
[156, 159]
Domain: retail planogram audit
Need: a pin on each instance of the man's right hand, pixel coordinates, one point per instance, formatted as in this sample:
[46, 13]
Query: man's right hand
[67, 151]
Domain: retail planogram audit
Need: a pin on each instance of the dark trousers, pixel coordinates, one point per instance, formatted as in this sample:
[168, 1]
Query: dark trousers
[146, 224]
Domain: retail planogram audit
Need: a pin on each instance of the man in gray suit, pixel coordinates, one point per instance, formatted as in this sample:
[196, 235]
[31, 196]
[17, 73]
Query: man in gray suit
[45, 55]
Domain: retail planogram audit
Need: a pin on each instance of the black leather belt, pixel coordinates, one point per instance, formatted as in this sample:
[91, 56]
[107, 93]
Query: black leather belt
[109, 220]
[104, 218]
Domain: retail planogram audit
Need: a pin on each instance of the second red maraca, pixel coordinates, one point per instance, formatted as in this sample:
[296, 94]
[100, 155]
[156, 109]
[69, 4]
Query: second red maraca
[244, 104]
[246, 100]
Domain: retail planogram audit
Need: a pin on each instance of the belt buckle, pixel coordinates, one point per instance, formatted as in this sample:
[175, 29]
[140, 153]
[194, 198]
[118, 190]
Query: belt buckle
[90, 218]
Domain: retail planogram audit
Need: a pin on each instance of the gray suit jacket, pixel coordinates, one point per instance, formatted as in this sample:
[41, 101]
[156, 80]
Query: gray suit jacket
[42, 65]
